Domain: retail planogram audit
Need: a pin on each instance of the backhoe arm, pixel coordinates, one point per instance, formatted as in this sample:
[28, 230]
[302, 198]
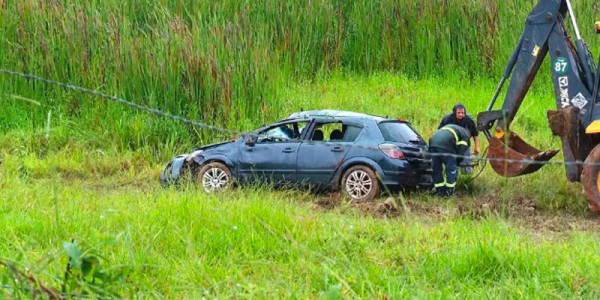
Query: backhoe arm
[573, 75]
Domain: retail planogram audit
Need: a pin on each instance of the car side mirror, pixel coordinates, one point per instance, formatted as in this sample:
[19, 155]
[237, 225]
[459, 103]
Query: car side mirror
[251, 140]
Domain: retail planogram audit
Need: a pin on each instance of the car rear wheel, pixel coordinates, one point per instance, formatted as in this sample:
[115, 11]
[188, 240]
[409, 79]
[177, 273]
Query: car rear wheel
[214, 177]
[360, 183]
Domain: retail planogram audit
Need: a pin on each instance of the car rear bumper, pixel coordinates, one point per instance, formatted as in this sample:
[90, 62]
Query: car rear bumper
[407, 179]
[407, 173]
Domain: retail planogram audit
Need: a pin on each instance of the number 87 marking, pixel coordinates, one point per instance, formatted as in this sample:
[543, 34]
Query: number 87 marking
[560, 67]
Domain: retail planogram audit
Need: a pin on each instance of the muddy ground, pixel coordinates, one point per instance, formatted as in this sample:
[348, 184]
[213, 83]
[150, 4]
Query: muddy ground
[521, 211]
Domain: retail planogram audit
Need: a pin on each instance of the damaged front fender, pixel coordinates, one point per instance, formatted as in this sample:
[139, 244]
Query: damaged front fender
[174, 169]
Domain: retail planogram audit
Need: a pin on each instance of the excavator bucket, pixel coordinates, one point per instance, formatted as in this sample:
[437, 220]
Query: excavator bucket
[516, 151]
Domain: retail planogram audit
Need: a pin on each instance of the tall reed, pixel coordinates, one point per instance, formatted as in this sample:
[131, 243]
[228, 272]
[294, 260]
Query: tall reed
[223, 62]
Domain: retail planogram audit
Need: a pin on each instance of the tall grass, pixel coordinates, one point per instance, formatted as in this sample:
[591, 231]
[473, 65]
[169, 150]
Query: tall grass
[225, 62]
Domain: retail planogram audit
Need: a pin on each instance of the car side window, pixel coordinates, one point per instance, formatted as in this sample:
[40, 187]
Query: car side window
[335, 132]
[350, 132]
[288, 132]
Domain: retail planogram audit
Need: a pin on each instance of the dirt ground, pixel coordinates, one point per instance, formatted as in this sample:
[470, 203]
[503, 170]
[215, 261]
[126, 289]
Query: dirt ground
[520, 211]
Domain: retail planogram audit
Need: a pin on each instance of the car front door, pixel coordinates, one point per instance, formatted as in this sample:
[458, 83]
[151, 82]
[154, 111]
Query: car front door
[272, 156]
[324, 151]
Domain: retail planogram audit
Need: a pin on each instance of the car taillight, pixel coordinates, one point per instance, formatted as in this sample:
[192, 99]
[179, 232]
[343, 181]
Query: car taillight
[392, 151]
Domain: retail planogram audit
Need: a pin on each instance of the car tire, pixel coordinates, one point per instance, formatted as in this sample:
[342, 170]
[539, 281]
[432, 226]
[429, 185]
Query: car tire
[360, 184]
[215, 177]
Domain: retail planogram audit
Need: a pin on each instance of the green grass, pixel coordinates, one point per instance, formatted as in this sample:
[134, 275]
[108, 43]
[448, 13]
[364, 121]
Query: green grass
[261, 243]
[255, 243]
[75, 168]
[422, 102]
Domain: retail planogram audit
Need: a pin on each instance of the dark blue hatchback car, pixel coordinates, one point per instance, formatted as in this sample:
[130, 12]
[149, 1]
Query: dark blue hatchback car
[328, 149]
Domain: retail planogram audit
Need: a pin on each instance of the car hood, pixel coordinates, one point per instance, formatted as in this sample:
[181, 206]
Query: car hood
[212, 146]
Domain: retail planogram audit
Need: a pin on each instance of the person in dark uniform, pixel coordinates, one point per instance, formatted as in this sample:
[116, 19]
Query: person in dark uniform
[453, 140]
[460, 117]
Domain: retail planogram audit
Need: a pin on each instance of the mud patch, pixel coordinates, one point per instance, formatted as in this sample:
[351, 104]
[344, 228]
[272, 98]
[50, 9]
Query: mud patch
[332, 201]
[557, 224]
[520, 211]
[523, 212]
[392, 207]
[493, 205]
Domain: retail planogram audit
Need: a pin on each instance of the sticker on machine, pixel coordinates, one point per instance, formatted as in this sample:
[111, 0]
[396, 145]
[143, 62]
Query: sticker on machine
[561, 65]
[563, 83]
[536, 51]
[579, 101]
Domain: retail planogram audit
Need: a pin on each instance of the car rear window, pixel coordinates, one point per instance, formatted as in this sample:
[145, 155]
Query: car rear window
[398, 132]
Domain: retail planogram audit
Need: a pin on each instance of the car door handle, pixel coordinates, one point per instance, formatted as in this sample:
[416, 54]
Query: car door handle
[337, 149]
[288, 150]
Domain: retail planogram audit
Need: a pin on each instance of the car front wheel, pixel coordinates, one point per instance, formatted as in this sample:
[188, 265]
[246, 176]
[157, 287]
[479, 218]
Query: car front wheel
[215, 177]
[360, 183]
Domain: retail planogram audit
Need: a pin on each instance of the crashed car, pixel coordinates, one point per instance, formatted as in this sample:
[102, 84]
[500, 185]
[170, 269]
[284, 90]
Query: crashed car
[355, 153]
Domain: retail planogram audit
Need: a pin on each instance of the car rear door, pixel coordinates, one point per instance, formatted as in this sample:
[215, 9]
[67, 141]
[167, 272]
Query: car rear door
[322, 153]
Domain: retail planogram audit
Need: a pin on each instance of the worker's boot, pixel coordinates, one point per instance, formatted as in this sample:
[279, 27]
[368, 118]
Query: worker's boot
[440, 191]
[448, 192]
